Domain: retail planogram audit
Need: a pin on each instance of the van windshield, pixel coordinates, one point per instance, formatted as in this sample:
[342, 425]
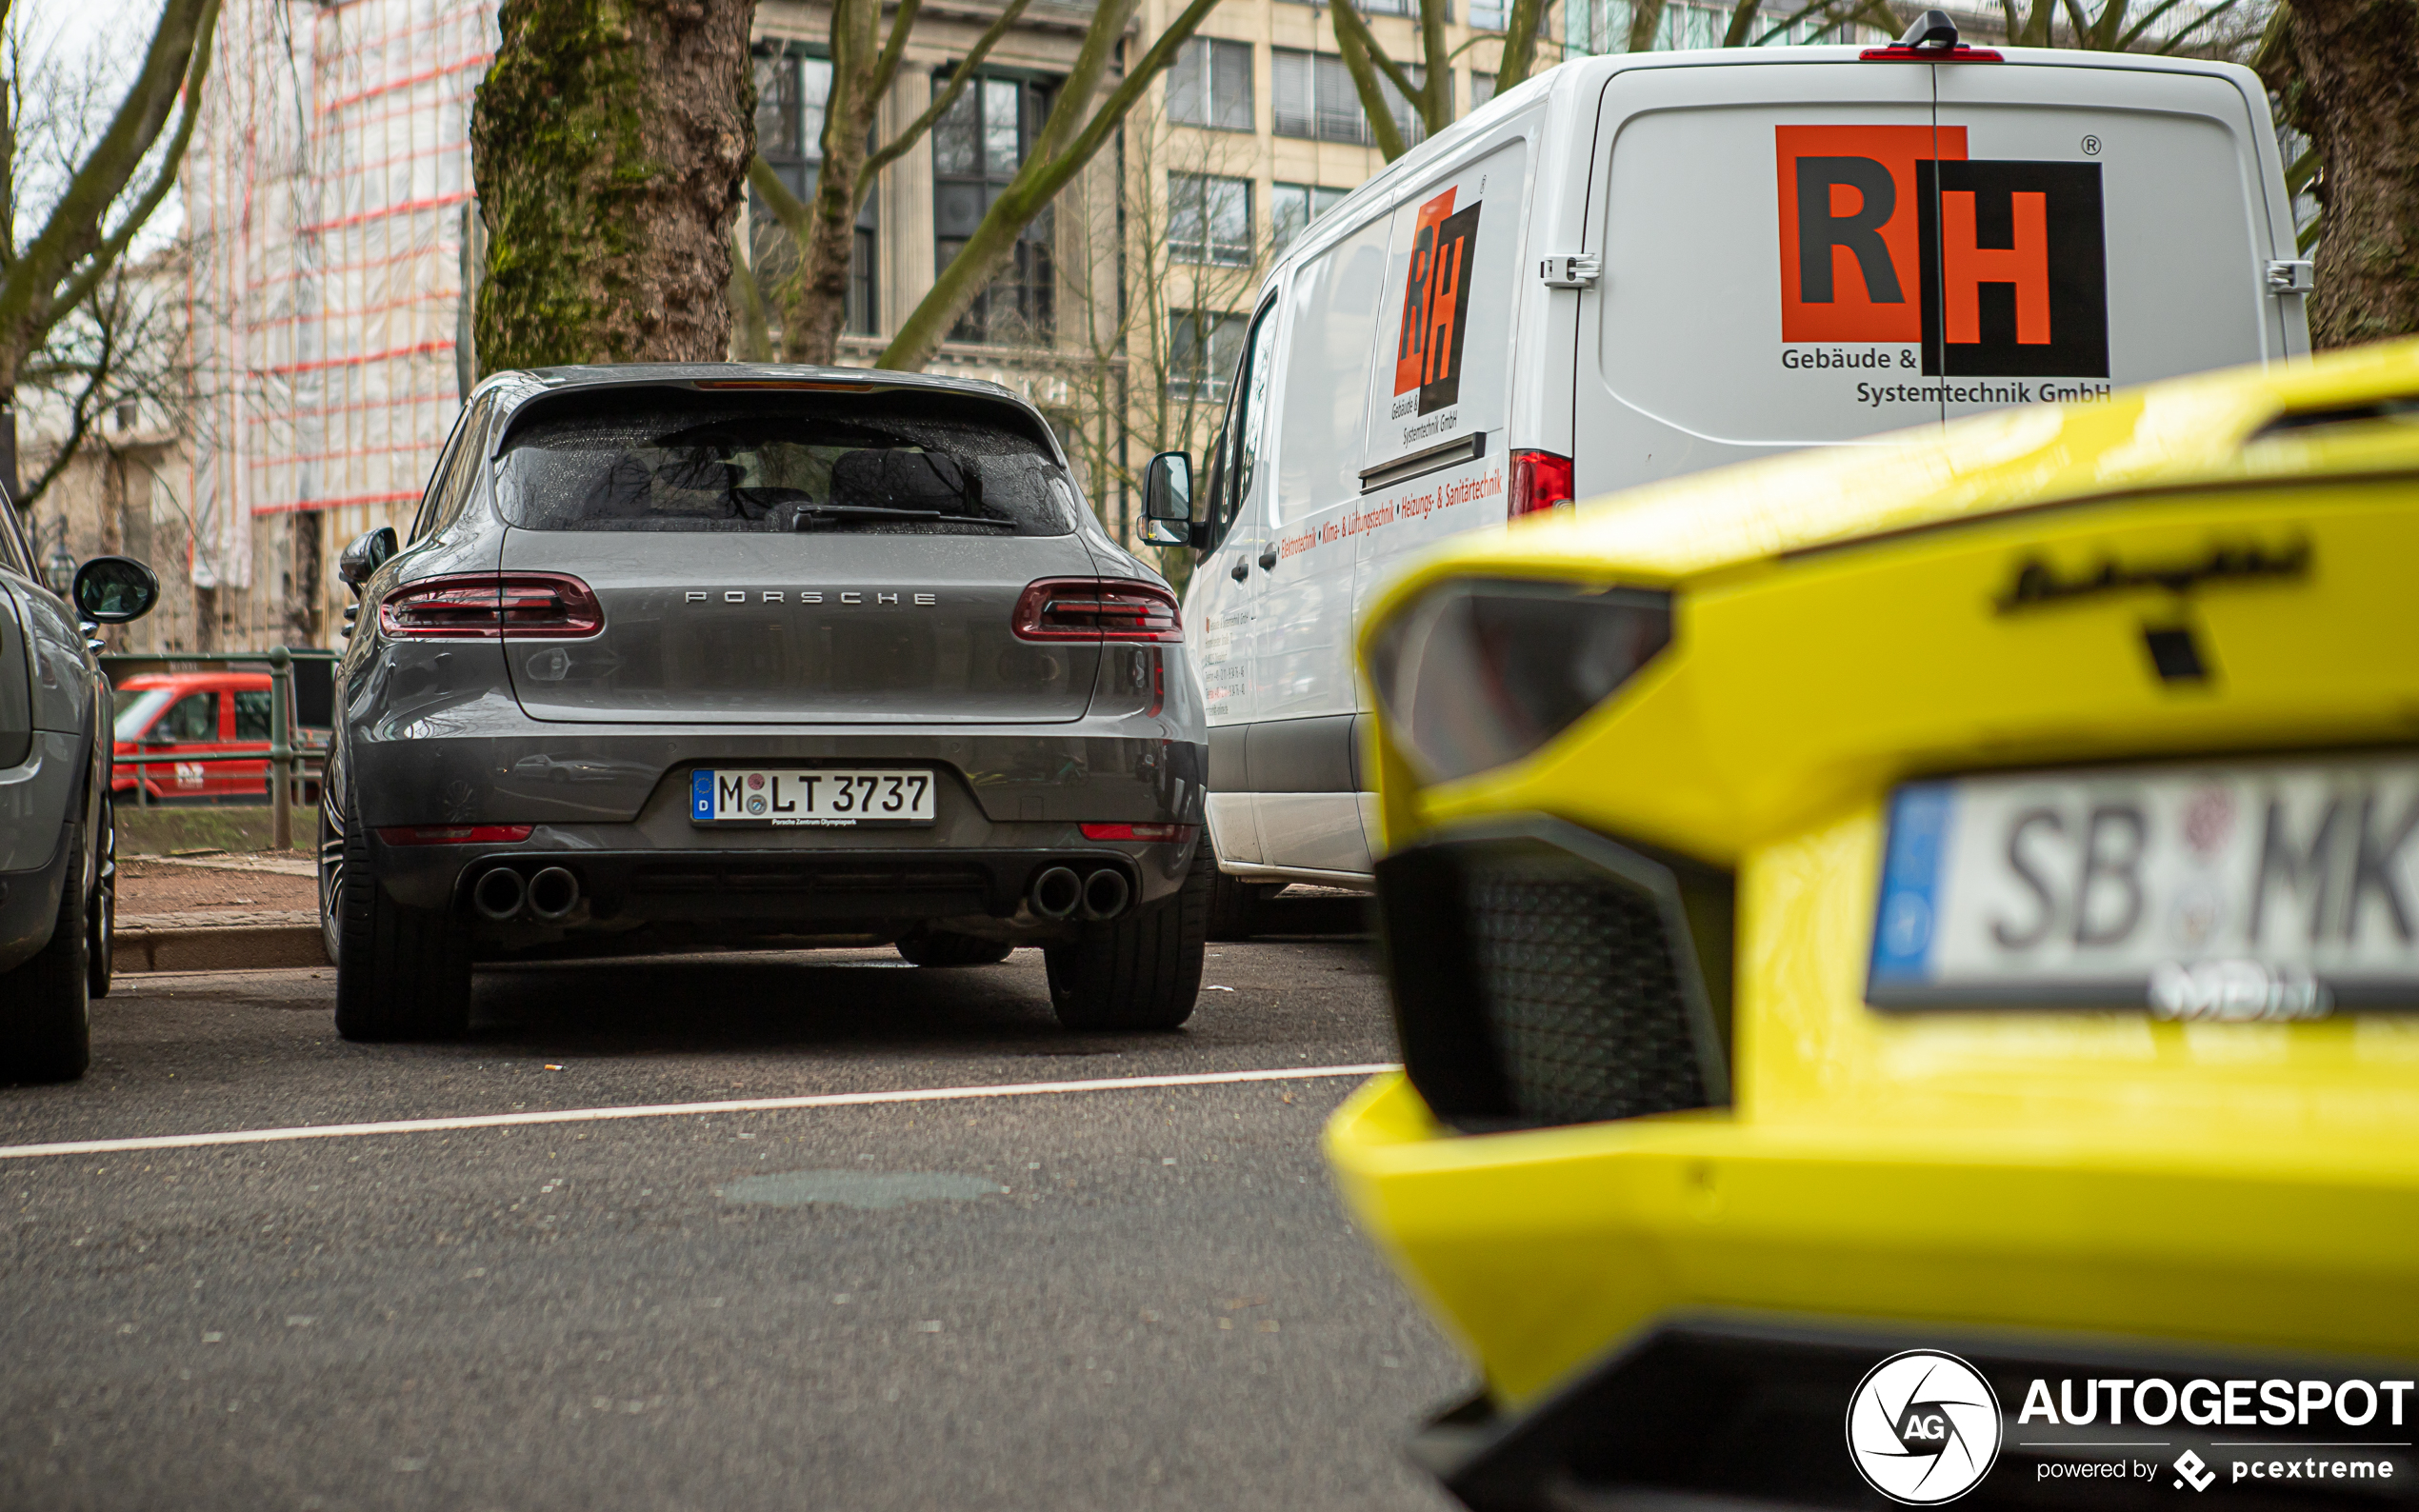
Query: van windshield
[663, 460]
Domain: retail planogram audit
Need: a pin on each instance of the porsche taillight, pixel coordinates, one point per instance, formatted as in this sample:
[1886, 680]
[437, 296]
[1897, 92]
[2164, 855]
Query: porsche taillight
[1097, 609]
[492, 605]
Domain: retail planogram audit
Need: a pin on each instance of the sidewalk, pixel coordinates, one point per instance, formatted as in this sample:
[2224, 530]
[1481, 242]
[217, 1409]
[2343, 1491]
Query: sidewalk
[217, 912]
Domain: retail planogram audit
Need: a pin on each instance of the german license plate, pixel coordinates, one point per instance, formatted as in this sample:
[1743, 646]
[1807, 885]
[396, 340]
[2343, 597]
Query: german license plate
[2270, 891]
[777, 798]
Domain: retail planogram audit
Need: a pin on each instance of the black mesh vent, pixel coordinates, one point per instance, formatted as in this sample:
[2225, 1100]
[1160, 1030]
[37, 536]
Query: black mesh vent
[1587, 1012]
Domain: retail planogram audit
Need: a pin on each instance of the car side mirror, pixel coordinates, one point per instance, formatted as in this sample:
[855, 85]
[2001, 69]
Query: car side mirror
[1166, 500]
[113, 589]
[367, 553]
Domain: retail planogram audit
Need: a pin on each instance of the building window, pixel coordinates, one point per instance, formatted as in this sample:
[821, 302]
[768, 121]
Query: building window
[791, 91]
[977, 148]
[1210, 84]
[1312, 95]
[1210, 219]
[1481, 89]
[1293, 206]
[1203, 346]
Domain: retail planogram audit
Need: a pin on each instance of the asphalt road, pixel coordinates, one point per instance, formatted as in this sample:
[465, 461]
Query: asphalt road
[1127, 1299]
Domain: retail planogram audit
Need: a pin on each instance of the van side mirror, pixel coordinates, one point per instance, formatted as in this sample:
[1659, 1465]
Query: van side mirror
[1166, 500]
[367, 553]
[113, 589]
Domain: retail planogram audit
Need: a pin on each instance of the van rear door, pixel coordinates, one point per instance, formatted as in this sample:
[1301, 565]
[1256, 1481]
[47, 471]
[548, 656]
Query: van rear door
[1757, 224]
[2100, 226]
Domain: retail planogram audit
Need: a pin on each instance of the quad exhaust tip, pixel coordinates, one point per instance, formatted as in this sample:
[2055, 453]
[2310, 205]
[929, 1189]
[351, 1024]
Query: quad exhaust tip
[553, 893]
[549, 897]
[1106, 893]
[1057, 892]
[498, 893]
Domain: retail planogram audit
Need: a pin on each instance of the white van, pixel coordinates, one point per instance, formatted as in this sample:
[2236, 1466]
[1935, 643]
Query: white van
[1640, 265]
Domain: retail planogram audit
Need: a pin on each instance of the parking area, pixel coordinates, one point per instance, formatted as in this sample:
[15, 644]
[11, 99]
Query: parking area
[1054, 1297]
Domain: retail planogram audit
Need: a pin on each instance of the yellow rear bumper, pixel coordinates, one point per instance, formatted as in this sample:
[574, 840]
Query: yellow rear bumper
[1542, 1250]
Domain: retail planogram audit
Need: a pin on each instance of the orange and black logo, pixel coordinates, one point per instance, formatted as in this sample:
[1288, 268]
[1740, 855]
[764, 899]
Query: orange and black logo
[1891, 233]
[1428, 352]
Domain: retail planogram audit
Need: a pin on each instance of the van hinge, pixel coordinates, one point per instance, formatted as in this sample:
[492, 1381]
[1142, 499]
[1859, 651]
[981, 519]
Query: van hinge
[1571, 270]
[2291, 276]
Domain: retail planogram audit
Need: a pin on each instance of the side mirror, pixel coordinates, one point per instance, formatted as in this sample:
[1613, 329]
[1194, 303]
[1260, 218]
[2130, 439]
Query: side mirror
[113, 589]
[366, 555]
[1166, 500]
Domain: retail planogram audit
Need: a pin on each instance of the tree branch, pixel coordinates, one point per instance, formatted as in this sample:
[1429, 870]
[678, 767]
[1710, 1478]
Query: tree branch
[1363, 58]
[886, 64]
[1042, 176]
[1645, 19]
[74, 228]
[899, 145]
[748, 306]
[1742, 22]
[106, 255]
[1520, 44]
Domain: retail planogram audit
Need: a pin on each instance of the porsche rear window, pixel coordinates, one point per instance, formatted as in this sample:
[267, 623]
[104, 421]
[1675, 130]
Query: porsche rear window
[889, 464]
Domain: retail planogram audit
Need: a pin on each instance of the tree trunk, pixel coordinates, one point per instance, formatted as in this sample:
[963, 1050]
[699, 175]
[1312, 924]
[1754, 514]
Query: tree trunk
[608, 144]
[811, 325]
[2346, 73]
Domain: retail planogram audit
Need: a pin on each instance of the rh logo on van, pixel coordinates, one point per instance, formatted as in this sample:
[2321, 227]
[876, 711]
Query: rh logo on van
[1891, 233]
[1427, 351]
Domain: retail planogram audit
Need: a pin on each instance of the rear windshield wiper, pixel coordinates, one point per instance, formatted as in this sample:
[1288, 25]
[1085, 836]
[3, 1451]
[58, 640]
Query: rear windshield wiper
[814, 514]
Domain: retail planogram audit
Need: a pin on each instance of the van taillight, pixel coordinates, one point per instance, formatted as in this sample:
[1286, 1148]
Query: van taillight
[1540, 481]
[492, 605]
[1097, 609]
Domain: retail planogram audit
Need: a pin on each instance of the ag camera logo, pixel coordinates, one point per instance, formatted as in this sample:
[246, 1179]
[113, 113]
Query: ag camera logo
[1922, 1427]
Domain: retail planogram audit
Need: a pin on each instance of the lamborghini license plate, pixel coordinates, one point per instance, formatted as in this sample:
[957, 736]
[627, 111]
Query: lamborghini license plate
[2253, 891]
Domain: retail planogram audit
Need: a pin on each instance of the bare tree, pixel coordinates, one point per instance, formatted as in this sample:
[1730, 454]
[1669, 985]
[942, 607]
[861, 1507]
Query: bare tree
[815, 296]
[99, 195]
[1431, 93]
[608, 144]
[1153, 370]
[119, 353]
[1081, 121]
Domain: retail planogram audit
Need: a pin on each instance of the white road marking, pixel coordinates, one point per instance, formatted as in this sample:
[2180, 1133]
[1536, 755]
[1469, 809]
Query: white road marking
[751, 1105]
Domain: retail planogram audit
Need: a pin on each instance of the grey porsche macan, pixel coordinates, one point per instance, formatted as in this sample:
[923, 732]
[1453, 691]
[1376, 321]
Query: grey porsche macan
[747, 656]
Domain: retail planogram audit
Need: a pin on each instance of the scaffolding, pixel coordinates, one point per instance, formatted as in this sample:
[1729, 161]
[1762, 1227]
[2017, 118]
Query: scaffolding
[328, 194]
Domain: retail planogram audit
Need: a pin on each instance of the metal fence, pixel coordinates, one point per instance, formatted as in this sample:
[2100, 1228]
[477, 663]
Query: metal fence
[297, 752]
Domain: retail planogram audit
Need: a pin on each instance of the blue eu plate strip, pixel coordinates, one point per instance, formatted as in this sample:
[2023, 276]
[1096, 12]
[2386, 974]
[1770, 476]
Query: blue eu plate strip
[701, 794]
[1919, 816]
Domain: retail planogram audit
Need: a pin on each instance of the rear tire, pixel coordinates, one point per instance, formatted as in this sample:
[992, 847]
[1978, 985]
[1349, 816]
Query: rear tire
[401, 973]
[45, 1005]
[938, 948]
[1142, 971]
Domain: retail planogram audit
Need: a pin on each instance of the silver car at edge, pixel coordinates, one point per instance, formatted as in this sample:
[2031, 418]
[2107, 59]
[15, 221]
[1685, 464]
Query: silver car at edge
[736, 655]
[58, 837]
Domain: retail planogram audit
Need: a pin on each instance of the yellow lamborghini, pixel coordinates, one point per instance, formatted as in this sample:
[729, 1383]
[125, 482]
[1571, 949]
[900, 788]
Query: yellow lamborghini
[1952, 897]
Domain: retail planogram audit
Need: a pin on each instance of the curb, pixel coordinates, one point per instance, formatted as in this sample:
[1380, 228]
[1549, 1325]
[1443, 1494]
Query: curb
[240, 947]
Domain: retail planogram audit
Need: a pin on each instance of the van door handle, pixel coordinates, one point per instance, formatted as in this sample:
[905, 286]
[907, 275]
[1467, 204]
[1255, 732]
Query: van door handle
[1269, 560]
[1241, 570]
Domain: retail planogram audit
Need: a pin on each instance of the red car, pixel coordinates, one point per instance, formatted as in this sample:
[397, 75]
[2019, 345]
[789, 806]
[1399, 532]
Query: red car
[184, 714]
